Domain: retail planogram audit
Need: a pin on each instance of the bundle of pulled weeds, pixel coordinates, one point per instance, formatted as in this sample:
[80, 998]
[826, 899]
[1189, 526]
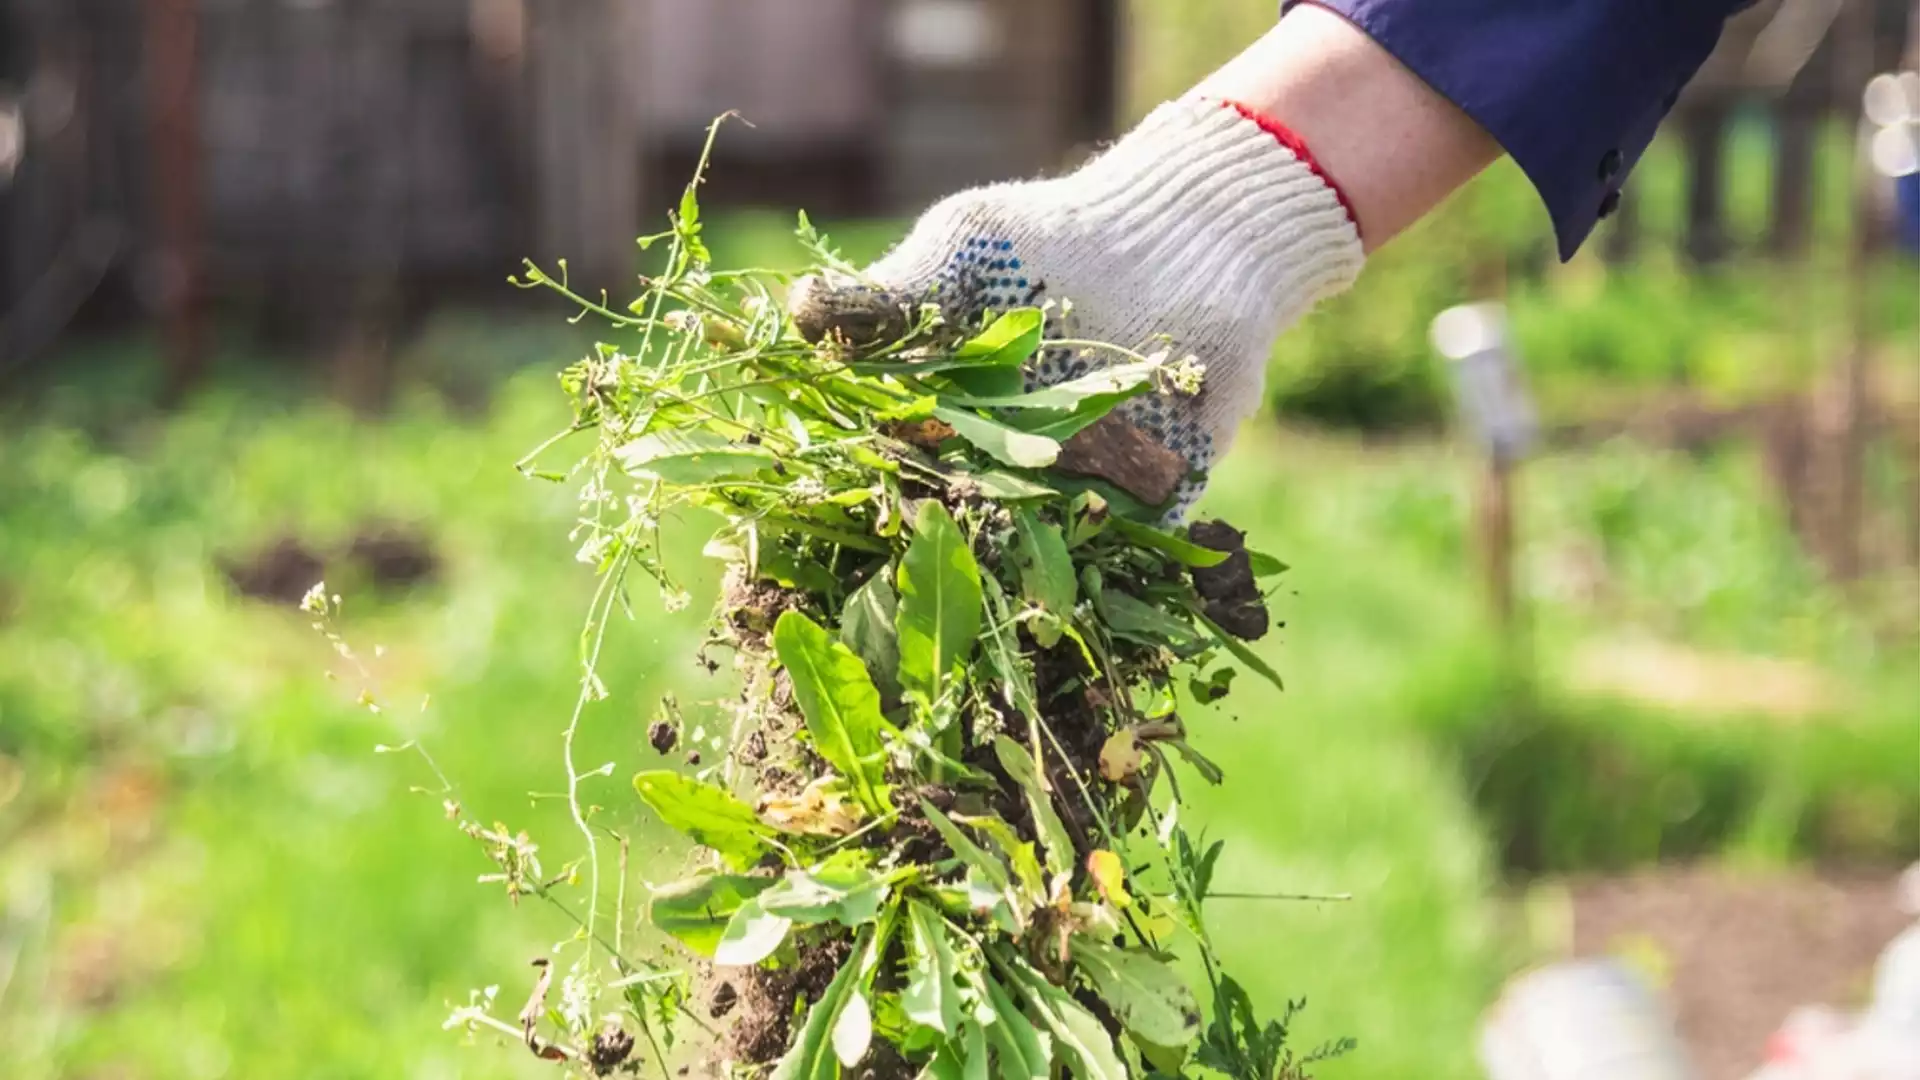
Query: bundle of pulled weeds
[940, 836]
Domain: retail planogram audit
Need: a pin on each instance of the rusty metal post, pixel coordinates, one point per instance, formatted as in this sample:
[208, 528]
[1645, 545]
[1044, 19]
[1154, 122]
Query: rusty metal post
[173, 114]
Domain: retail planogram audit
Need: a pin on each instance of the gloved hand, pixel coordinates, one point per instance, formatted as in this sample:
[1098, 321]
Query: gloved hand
[1206, 231]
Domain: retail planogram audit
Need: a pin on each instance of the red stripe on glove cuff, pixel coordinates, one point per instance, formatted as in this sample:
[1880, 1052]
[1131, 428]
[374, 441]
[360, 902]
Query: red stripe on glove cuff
[1293, 142]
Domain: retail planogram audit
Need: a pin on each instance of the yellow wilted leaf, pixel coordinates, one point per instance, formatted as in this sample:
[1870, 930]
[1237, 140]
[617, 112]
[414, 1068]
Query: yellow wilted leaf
[1121, 757]
[818, 811]
[1110, 878]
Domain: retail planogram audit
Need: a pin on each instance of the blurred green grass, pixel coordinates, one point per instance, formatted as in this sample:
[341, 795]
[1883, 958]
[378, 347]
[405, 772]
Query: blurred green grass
[205, 869]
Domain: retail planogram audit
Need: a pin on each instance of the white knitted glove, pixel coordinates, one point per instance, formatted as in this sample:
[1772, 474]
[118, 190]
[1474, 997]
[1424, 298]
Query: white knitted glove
[1204, 231]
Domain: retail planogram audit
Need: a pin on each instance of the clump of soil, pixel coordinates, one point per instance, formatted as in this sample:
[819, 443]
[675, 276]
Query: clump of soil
[1232, 598]
[384, 557]
[663, 737]
[393, 558]
[764, 1000]
[750, 608]
[282, 572]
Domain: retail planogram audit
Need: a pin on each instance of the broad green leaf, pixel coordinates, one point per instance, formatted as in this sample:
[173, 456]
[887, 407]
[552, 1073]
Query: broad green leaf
[1202, 764]
[1136, 620]
[696, 910]
[1214, 685]
[1004, 486]
[931, 998]
[1022, 770]
[1076, 1032]
[866, 627]
[709, 815]
[1121, 380]
[853, 1031]
[751, 936]
[1046, 572]
[1147, 995]
[1061, 426]
[973, 1052]
[945, 1065]
[698, 457]
[1180, 549]
[1025, 1053]
[843, 888]
[1007, 445]
[1239, 649]
[1265, 565]
[916, 409]
[840, 703]
[1030, 887]
[975, 856]
[939, 613]
[981, 380]
[1167, 1060]
[812, 1055]
[1009, 341]
[785, 569]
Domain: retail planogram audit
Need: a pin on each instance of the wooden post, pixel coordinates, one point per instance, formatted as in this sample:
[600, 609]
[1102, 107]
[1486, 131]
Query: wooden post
[1796, 128]
[586, 139]
[1497, 541]
[173, 103]
[1853, 67]
[1704, 127]
[1495, 403]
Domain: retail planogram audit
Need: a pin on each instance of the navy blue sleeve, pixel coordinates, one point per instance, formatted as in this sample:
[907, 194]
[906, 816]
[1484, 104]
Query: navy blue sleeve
[1571, 89]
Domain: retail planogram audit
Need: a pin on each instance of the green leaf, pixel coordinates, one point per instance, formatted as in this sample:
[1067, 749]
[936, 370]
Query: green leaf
[1147, 995]
[866, 627]
[1265, 565]
[696, 910]
[1238, 648]
[1214, 685]
[782, 568]
[975, 856]
[1046, 572]
[1005, 444]
[918, 408]
[1134, 619]
[1166, 1060]
[1008, 341]
[853, 1031]
[1180, 549]
[1121, 381]
[1025, 1053]
[812, 1056]
[1202, 764]
[977, 380]
[1076, 1032]
[939, 614]
[1003, 486]
[751, 936]
[1022, 770]
[698, 457]
[709, 815]
[931, 998]
[973, 1052]
[840, 703]
[843, 888]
